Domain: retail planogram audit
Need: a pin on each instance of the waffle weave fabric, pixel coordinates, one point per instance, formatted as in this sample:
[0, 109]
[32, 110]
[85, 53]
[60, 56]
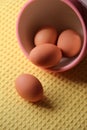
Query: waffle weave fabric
[65, 104]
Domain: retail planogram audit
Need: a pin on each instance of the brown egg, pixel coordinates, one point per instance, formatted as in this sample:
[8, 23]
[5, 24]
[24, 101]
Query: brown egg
[69, 42]
[29, 87]
[46, 55]
[46, 35]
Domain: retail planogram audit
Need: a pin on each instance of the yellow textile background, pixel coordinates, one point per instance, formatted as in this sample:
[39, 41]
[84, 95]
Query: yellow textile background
[65, 106]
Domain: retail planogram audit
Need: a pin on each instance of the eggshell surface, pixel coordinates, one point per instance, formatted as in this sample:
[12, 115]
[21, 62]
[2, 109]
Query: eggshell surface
[46, 35]
[46, 55]
[29, 87]
[69, 42]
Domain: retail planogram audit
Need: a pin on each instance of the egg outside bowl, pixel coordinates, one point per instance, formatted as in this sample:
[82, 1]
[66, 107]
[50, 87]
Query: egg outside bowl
[61, 14]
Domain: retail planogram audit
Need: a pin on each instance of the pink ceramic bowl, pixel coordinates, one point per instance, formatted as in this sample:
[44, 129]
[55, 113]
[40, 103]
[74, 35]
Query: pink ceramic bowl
[62, 14]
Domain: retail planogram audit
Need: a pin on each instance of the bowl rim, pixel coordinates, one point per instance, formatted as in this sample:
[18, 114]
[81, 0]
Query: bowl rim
[83, 50]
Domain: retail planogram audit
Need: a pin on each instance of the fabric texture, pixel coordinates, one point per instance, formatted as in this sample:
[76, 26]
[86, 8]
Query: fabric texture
[65, 104]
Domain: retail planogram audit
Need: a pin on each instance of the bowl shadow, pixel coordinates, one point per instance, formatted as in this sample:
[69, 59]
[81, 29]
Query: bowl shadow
[77, 74]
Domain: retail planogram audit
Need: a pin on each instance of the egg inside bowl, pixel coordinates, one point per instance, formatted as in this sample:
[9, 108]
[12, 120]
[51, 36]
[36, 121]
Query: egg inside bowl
[61, 14]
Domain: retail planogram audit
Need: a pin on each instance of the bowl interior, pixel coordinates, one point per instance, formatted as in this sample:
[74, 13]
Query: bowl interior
[39, 13]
